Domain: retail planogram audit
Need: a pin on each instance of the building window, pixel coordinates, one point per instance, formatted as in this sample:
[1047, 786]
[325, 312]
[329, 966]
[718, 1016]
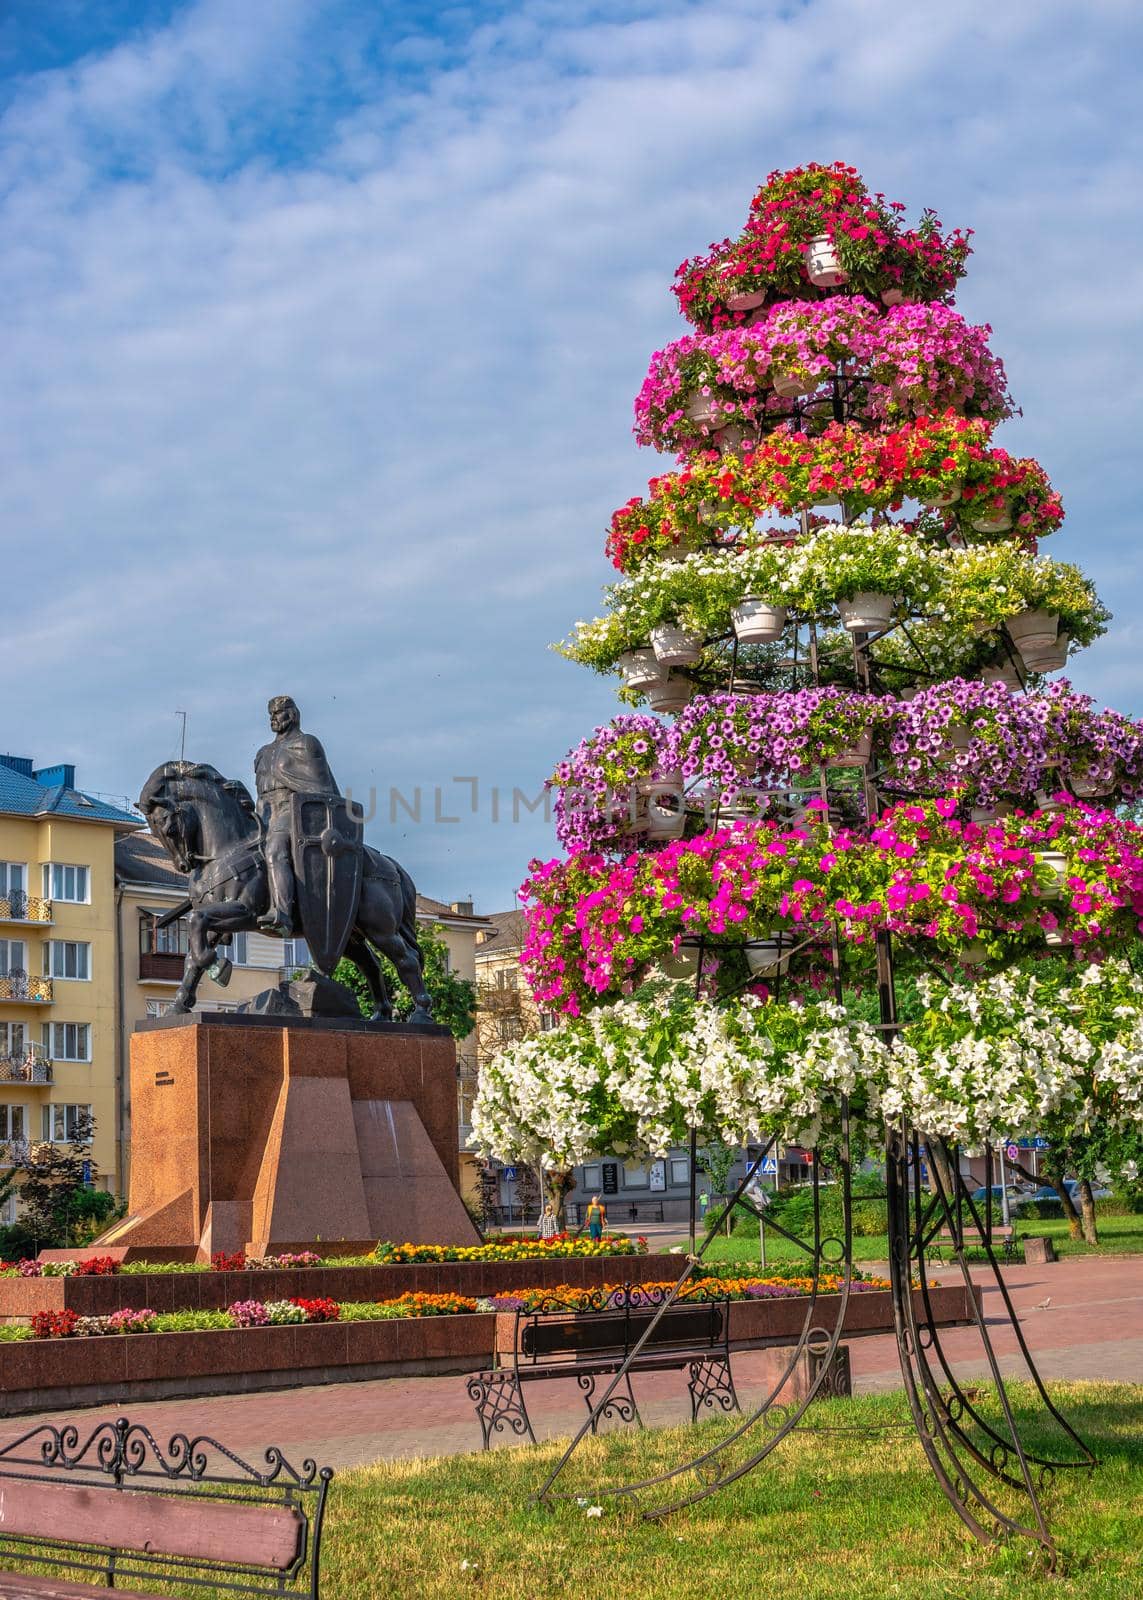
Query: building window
[548, 1021]
[11, 1124]
[680, 1169]
[635, 1177]
[591, 1179]
[169, 941]
[295, 953]
[510, 1028]
[12, 1040]
[236, 949]
[158, 1008]
[67, 958]
[68, 1041]
[506, 978]
[66, 883]
[13, 879]
[8, 1211]
[66, 1124]
[12, 956]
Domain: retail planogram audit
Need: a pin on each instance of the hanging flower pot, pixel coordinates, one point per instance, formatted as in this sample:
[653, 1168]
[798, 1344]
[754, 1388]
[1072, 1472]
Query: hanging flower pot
[937, 502]
[1035, 629]
[735, 441]
[1051, 872]
[866, 612]
[713, 513]
[790, 385]
[993, 813]
[671, 694]
[640, 669]
[973, 954]
[823, 265]
[675, 646]
[758, 622]
[1047, 658]
[892, 297]
[1007, 675]
[682, 963]
[1091, 788]
[767, 957]
[958, 738]
[703, 408]
[854, 755]
[998, 522]
[745, 299]
[666, 817]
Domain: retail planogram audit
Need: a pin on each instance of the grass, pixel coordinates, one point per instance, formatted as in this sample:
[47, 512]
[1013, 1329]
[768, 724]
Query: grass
[1117, 1236]
[827, 1515]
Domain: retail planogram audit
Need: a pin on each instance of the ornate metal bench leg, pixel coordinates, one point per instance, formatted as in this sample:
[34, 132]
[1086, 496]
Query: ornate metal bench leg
[499, 1403]
[710, 1384]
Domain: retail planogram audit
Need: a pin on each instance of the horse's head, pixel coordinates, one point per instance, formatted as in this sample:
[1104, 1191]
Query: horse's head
[194, 811]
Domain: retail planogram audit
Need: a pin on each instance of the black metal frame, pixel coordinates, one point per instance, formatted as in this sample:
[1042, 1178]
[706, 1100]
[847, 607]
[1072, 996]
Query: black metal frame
[538, 1352]
[123, 1457]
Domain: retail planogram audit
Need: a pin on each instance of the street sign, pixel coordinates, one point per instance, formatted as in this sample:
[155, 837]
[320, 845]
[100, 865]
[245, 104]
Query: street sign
[1032, 1144]
[1012, 1151]
[87, 1172]
[509, 1174]
[769, 1167]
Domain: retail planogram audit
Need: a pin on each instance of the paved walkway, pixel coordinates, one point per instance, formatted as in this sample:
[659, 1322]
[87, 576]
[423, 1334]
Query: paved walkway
[1081, 1319]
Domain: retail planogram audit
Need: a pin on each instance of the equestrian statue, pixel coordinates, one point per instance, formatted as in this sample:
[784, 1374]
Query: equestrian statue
[294, 862]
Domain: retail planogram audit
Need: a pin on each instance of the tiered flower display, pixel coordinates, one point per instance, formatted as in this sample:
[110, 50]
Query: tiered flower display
[834, 631]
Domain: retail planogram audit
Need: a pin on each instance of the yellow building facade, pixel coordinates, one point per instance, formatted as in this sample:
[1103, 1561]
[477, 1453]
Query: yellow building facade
[58, 964]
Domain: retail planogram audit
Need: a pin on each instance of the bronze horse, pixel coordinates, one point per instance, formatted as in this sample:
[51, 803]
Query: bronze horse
[211, 832]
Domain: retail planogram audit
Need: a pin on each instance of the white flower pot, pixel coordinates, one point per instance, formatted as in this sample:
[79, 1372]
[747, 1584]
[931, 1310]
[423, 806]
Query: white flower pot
[665, 821]
[937, 502]
[892, 297]
[640, 669]
[1052, 873]
[972, 954]
[757, 622]
[1055, 938]
[681, 964]
[822, 264]
[767, 957]
[826, 502]
[1034, 629]
[856, 755]
[702, 408]
[1047, 658]
[1091, 788]
[671, 694]
[674, 646]
[1000, 523]
[712, 513]
[666, 783]
[745, 299]
[958, 737]
[1007, 675]
[732, 441]
[790, 386]
[866, 612]
[985, 814]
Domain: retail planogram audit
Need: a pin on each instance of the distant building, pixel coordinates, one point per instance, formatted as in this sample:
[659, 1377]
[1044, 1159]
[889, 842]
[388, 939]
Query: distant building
[148, 886]
[58, 962]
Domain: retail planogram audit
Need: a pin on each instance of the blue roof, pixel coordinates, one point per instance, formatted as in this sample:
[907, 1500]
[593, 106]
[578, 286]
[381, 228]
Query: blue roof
[23, 795]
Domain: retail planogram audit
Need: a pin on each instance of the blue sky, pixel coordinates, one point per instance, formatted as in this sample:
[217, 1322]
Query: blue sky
[324, 321]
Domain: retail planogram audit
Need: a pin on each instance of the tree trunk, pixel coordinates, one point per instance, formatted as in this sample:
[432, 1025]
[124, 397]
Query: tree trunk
[1087, 1212]
[1075, 1225]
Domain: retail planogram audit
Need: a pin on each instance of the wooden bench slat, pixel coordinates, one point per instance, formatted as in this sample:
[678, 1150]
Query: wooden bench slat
[150, 1522]
[22, 1586]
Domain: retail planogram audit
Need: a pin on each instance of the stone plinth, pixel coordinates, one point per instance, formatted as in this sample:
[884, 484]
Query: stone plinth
[1039, 1251]
[270, 1137]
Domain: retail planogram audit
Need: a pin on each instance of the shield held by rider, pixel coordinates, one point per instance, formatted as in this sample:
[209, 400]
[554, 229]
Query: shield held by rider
[327, 836]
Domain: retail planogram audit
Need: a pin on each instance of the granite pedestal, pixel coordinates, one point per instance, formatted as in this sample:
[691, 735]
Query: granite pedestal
[247, 1134]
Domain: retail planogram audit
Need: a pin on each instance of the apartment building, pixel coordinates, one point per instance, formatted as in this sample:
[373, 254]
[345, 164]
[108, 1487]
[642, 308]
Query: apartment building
[58, 958]
[148, 886]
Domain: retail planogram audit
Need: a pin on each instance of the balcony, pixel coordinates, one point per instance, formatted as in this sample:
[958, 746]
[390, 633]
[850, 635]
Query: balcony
[20, 988]
[21, 907]
[29, 1068]
[161, 967]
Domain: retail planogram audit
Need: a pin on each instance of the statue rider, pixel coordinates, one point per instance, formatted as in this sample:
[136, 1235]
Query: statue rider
[292, 763]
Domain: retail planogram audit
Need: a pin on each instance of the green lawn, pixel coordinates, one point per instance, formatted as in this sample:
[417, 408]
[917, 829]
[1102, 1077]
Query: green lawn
[826, 1517]
[1117, 1236]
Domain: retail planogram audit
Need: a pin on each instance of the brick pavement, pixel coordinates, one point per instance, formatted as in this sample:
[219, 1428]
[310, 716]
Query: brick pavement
[1091, 1327]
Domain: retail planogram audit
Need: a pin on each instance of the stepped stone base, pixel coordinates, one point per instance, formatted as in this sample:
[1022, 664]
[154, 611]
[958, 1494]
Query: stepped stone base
[269, 1138]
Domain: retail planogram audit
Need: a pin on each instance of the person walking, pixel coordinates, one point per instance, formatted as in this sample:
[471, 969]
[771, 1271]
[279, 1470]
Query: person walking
[549, 1223]
[596, 1219]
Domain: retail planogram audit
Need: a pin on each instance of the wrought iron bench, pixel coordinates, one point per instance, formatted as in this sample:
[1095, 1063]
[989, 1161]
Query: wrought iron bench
[118, 1511]
[551, 1342]
[1002, 1233]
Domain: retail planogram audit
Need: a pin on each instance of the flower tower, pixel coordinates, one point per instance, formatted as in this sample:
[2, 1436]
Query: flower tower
[850, 852]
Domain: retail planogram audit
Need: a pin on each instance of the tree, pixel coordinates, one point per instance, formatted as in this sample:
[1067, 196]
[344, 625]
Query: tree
[54, 1181]
[453, 997]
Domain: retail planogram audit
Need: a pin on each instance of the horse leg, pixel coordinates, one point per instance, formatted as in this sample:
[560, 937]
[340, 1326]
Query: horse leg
[206, 923]
[360, 952]
[406, 957]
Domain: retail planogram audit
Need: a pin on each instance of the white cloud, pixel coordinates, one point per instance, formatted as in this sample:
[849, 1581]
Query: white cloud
[336, 396]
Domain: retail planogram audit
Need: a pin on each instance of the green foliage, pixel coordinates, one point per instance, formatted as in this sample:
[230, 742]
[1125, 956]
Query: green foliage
[453, 997]
[192, 1321]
